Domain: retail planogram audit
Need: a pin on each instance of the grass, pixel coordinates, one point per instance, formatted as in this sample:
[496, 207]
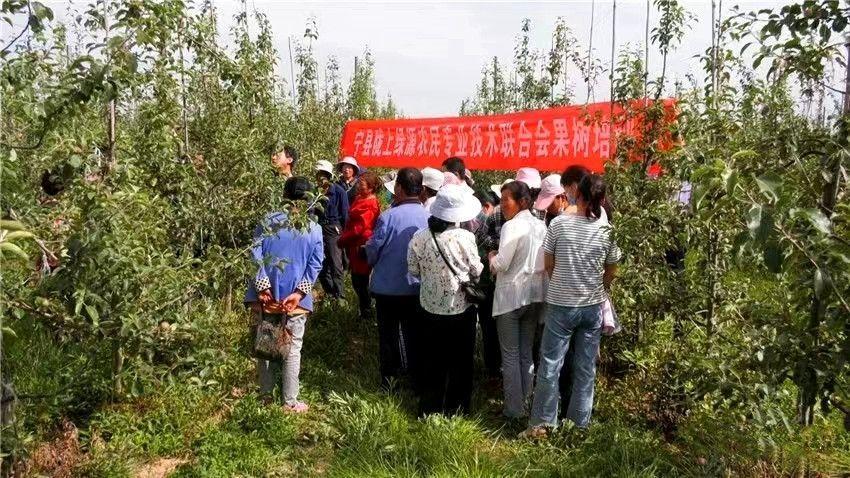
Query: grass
[354, 430]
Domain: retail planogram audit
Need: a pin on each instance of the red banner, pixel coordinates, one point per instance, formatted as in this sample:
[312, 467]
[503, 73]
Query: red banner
[548, 140]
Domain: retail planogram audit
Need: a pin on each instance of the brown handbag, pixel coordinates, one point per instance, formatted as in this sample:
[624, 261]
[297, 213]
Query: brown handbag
[272, 340]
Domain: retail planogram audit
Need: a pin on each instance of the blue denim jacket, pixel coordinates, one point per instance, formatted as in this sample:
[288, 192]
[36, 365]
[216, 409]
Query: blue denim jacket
[386, 251]
[287, 259]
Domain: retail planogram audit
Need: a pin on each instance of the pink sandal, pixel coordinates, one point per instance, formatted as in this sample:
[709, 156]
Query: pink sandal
[297, 407]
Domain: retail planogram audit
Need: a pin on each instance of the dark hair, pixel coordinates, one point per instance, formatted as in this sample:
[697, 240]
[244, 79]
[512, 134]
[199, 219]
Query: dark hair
[573, 175]
[592, 190]
[521, 193]
[437, 225]
[296, 188]
[371, 179]
[534, 192]
[410, 180]
[291, 153]
[457, 167]
[486, 197]
[324, 173]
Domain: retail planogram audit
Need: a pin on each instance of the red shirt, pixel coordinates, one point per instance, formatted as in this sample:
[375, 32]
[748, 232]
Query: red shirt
[362, 216]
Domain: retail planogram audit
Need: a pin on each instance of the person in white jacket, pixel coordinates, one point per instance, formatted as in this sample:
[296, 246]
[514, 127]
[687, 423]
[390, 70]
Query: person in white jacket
[520, 274]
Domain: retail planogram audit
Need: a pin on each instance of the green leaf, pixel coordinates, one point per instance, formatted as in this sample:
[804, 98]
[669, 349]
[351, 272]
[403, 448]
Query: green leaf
[95, 317]
[18, 235]
[11, 225]
[730, 180]
[754, 219]
[8, 247]
[769, 184]
[818, 219]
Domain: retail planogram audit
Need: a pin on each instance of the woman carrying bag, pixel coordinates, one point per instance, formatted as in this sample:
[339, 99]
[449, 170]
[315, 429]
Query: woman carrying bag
[445, 259]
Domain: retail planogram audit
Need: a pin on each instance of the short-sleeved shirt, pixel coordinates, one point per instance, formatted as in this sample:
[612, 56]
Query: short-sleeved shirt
[582, 247]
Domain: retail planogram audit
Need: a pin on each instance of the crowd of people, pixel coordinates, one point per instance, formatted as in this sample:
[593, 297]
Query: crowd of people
[529, 262]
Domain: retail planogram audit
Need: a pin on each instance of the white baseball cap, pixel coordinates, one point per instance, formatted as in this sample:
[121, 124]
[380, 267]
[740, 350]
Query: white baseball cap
[550, 188]
[454, 204]
[389, 181]
[324, 165]
[530, 176]
[432, 178]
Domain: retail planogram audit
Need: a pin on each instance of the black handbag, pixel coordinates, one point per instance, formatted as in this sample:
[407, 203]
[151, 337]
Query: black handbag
[473, 291]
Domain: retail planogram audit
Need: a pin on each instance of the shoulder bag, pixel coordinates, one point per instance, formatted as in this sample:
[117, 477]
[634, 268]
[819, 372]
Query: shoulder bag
[472, 289]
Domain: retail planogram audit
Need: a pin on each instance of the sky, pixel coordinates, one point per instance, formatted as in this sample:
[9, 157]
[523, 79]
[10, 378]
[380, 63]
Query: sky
[429, 55]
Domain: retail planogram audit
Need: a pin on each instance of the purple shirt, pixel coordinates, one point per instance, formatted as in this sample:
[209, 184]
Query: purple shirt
[386, 251]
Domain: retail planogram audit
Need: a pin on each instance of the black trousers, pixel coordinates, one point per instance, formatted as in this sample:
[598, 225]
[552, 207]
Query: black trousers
[396, 315]
[331, 276]
[360, 283]
[490, 336]
[446, 354]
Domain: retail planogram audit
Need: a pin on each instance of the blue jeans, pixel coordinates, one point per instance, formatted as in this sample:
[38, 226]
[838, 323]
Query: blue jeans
[560, 325]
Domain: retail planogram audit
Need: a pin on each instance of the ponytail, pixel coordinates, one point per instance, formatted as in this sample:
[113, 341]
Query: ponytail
[592, 189]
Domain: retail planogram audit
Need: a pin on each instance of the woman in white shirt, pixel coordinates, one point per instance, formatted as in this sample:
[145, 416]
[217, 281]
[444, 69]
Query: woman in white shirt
[443, 256]
[519, 270]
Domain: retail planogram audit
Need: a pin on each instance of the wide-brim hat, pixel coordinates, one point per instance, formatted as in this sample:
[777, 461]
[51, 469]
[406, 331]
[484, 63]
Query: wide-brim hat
[324, 165]
[350, 161]
[497, 188]
[453, 203]
[550, 188]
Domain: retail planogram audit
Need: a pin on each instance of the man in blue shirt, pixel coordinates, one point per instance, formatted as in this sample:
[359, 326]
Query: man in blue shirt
[396, 292]
[288, 263]
[332, 217]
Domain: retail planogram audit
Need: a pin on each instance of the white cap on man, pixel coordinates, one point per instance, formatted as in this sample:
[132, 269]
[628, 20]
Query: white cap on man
[325, 165]
[432, 178]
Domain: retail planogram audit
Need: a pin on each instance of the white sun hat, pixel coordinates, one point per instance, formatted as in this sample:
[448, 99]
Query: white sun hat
[325, 165]
[349, 160]
[497, 188]
[432, 178]
[454, 204]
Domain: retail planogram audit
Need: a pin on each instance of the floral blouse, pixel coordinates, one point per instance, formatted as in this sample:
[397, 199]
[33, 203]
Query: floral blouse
[440, 291]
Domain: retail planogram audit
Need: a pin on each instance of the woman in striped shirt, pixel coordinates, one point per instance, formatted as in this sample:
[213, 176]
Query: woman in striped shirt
[580, 258]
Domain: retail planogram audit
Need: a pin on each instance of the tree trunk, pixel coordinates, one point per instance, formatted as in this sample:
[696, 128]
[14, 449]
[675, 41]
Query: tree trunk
[117, 370]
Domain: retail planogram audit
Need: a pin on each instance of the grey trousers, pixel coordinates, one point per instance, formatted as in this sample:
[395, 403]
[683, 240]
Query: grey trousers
[516, 340]
[267, 370]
